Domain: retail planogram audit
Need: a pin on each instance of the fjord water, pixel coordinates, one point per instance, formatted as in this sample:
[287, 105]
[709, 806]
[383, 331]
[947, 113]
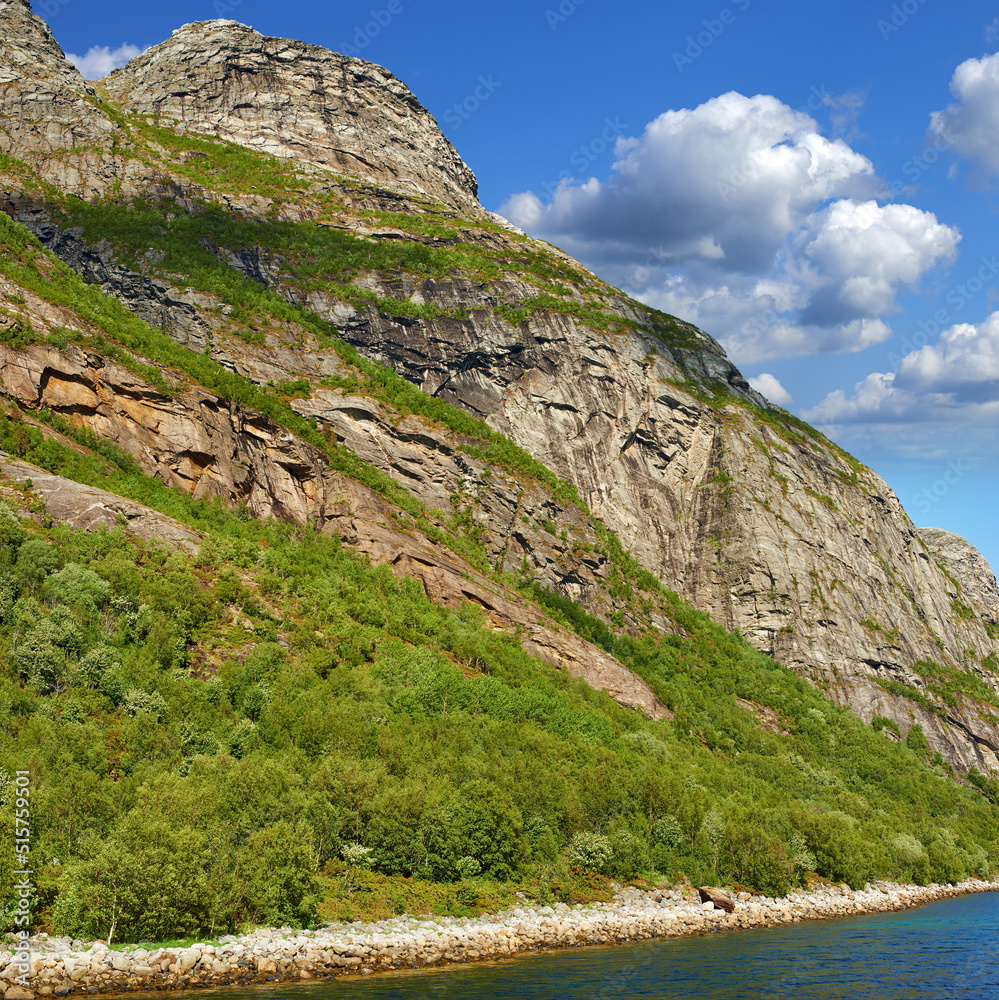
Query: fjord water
[943, 950]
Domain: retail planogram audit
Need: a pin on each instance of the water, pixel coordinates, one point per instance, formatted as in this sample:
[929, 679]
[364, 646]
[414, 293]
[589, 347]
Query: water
[943, 950]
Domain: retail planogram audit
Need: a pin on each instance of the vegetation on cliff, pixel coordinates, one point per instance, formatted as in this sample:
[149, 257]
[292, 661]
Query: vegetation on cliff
[233, 736]
[209, 734]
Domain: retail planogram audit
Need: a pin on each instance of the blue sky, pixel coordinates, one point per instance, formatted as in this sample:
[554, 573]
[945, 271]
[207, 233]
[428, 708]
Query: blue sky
[813, 184]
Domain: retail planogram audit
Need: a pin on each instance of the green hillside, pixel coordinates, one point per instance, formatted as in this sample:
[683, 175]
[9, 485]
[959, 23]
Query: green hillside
[210, 737]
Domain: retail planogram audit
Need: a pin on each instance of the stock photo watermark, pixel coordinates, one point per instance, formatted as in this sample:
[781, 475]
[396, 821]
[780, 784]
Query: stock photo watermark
[898, 17]
[957, 298]
[461, 111]
[365, 34]
[713, 28]
[49, 8]
[750, 169]
[585, 154]
[562, 13]
[22, 877]
[914, 168]
[929, 496]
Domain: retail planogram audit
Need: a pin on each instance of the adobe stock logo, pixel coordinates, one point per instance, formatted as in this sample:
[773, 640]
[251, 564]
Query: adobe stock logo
[48, 8]
[957, 298]
[365, 34]
[582, 157]
[899, 17]
[713, 28]
[461, 111]
[926, 498]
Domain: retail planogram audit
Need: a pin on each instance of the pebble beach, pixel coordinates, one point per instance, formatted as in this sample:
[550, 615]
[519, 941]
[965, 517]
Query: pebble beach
[61, 966]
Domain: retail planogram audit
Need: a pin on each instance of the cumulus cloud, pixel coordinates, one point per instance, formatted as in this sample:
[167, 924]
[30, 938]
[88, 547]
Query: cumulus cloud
[101, 60]
[963, 363]
[856, 255]
[769, 385]
[739, 216]
[954, 381]
[725, 181]
[971, 124]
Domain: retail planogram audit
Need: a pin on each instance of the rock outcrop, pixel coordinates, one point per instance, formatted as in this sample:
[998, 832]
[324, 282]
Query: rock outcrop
[207, 446]
[90, 508]
[45, 104]
[298, 101]
[967, 567]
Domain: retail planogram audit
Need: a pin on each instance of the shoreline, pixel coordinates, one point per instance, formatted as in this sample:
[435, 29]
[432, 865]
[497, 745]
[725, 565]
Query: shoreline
[62, 967]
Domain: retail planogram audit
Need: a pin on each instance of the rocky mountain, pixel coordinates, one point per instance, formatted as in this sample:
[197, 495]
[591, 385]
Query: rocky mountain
[297, 218]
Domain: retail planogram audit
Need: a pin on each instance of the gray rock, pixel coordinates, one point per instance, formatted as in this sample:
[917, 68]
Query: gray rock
[968, 567]
[296, 100]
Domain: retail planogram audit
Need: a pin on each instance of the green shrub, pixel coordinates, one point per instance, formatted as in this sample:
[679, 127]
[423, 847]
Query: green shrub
[35, 561]
[96, 663]
[74, 585]
[592, 852]
[667, 832]
[629, 855]
[282, 883]
[12, 534]
[916, 741]
[146, 882]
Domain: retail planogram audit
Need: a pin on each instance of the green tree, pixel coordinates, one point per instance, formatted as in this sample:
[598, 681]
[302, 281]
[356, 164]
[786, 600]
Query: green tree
[916, 741]
[282, 887]
[145, 882]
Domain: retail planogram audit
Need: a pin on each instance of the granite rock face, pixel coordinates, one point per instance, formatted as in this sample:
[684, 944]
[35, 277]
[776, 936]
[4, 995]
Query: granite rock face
[207, 446]
[752, 516]
[298, 101]
[44, 102]
[89, 508]
[968, 568]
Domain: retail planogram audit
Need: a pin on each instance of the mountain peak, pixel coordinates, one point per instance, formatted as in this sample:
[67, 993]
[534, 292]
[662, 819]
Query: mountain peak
[296, 100]
[45, 104]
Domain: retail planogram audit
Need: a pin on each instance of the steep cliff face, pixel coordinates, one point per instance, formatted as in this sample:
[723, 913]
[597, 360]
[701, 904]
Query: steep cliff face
[44, 102]
[750, 514]
[210, 446]
[967, 570]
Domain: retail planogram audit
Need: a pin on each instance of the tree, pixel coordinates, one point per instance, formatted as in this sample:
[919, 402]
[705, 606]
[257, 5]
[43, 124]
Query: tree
[35, 561]
[915, 740]
[145, 882]
[75, 585]
[282, 886]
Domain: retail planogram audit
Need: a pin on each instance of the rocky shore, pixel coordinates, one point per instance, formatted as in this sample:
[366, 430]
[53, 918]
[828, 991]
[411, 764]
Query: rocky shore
[60, 966]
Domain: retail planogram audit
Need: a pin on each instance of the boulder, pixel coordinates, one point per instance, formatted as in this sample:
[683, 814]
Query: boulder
[721, 900]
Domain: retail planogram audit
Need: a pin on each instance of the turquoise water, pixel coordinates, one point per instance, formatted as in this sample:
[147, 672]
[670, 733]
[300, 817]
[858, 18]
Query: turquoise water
[943, 950]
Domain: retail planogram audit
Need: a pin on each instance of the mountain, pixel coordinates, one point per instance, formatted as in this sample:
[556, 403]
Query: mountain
[745, 511]
[250, 291]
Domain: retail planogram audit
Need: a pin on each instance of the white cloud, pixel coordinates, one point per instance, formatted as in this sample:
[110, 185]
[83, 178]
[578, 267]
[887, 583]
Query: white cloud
[953, 382]
[844, 110]
[971, 124]
[964, 363]
[726, 181]
[857, 255]
[875, 399]
[739, 216]
[769, 385]
[101, 60]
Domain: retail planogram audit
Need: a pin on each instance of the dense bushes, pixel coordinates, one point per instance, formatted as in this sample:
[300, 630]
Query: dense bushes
[192, 774]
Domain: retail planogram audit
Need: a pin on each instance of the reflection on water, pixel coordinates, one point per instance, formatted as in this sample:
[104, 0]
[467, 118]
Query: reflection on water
[944, 950]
